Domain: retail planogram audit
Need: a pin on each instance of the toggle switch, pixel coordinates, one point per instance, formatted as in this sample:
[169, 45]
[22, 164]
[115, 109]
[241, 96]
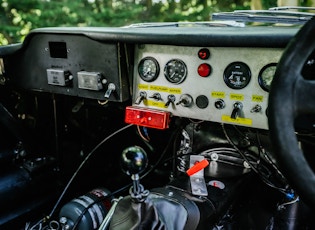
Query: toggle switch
[142, 96]
[256, 109]
[110, 89]
[185, 100]
[237, 110]
[156, 96]
[170, 99]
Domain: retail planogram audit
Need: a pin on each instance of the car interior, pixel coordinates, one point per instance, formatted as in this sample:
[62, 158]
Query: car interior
[175, 125]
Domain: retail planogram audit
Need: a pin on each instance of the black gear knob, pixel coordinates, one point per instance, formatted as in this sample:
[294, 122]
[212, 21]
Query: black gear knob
[134, 160]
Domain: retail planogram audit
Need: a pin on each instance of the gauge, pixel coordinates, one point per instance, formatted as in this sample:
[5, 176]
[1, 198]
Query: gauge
[237, 75]
[266, 75]
[175, 71]
[148, 69]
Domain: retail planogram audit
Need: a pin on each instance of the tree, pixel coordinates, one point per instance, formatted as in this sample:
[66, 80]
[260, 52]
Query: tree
[18, 17]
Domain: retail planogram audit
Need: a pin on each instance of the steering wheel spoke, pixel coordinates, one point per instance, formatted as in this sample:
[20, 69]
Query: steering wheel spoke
[304, 96]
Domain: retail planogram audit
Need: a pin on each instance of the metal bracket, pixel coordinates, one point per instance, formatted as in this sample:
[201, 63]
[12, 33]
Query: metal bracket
[197, 180]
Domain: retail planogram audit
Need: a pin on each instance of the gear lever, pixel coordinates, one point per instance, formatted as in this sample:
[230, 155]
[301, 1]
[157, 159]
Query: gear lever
[133, 162]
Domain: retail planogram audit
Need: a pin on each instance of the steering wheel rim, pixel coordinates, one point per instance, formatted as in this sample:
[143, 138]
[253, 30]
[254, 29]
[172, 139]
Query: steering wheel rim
[290, 96]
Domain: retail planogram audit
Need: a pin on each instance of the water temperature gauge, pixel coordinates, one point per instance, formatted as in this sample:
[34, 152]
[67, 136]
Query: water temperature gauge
[266, 76]
[148, 69]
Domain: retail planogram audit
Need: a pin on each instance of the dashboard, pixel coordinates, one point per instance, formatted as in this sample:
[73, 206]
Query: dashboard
[211, 74]
[71, 65]
[221, 84]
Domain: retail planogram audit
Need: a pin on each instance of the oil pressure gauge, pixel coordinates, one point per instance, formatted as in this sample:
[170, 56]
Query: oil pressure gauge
[237, 75]
[175, 71]
[148, 69]
[266, 75]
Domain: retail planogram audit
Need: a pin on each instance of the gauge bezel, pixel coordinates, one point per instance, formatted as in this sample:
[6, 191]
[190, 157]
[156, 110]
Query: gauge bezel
[226, 77]
[145, 77]
[260, 76]
[166, 74]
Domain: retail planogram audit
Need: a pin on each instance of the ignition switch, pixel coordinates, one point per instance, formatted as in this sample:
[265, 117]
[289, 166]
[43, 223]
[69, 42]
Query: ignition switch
[237, 109]
[219, 104]
[185, 100]
[170, 99]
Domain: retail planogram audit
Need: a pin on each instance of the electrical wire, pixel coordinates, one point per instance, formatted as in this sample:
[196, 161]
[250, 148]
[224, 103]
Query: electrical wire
[173, 136]
[39, 223]
[81, 165]
[265, 180]
[102, 102]
[267, 157]
[97, 201]
[282, 206]
[146, 138]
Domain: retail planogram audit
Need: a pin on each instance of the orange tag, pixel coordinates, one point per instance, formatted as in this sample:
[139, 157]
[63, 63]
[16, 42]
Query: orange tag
[197, 167]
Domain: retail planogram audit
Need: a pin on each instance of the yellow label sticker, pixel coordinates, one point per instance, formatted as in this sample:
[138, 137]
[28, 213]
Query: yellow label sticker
[238, 120]
[143, 86]
[158, 104]
[159, 88]
[237, 97]
[175, 90]
[216, 94]
[257, 98]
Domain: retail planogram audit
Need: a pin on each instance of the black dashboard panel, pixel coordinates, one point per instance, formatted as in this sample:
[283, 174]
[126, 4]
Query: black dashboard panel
[72, 65]
[103, 64]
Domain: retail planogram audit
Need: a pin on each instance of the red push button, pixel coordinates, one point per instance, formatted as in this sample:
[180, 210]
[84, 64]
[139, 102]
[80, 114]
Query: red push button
[204, 70]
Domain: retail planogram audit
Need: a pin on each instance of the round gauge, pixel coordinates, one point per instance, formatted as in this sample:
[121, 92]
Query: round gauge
[148, 69]
[237, 75]
[175, 71]
[266, 75]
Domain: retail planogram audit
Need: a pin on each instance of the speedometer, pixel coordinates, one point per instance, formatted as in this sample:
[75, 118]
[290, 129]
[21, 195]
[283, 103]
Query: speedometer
[237, 75]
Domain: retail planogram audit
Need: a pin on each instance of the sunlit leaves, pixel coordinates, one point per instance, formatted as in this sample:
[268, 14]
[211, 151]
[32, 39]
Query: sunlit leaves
[18, 17]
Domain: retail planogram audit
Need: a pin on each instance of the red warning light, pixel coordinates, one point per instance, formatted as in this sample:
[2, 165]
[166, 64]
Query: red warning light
[204, 53]
[147, 117]
[204, 70]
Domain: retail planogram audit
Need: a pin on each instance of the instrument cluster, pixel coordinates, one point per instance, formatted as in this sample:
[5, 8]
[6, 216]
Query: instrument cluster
[220, 84]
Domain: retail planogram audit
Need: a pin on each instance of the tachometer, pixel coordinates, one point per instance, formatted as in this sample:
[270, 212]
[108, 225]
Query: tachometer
[266, 75]
[175, 71]
[148, 69]
[237, 75]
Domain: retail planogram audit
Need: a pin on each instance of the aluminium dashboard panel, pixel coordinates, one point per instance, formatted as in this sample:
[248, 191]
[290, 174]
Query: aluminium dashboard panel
[70, 64]
[202, 95]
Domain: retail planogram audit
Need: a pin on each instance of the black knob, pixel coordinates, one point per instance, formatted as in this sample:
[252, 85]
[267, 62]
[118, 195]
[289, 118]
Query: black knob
[202, 101]
[134, 160]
